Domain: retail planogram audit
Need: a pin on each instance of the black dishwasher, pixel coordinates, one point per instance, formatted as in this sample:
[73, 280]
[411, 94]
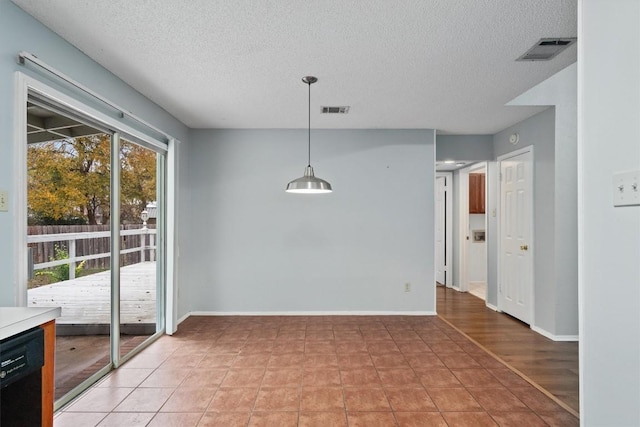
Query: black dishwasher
[21, 361]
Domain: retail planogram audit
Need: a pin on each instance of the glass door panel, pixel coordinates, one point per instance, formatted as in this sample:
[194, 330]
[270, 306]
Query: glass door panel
[68, 201]
[140, 235]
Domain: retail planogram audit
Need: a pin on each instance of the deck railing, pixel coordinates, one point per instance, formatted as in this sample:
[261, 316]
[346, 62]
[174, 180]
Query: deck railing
[71, 238]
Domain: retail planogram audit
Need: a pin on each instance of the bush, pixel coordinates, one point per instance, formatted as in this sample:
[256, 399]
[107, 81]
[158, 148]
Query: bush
[60, 272]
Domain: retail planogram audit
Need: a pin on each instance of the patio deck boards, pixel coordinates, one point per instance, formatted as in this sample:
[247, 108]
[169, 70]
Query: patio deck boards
[87, 299]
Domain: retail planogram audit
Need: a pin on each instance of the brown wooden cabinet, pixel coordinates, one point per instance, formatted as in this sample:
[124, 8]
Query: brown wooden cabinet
[476, 193]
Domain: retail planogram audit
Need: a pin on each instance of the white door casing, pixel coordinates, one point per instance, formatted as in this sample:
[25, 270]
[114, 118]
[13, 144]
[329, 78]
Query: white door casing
[441, 262]
[515, 229]
[444, 228]
[463, 229]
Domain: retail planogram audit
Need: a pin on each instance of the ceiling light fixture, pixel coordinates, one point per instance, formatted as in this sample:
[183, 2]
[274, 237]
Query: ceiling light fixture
[308, 183]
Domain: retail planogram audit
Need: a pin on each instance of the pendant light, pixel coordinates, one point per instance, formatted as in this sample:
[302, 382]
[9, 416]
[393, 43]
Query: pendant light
[308, 183]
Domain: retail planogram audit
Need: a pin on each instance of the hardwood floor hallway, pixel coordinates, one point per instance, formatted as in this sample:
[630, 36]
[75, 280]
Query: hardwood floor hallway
[553, 366]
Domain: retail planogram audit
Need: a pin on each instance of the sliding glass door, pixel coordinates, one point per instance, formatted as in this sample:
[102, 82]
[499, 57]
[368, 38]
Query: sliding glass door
[96, 239]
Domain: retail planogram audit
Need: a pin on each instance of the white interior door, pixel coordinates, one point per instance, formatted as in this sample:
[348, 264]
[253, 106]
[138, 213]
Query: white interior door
[441, 257]
[515, 295]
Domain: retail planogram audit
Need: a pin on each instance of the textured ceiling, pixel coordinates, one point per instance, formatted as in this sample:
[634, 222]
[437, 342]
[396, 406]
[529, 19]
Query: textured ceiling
[443, 64]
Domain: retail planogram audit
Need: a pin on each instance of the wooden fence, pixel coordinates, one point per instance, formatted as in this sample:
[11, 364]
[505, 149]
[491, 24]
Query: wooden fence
[45, 251]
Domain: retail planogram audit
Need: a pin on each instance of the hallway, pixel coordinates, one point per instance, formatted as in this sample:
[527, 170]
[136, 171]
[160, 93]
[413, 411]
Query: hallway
[551, 365]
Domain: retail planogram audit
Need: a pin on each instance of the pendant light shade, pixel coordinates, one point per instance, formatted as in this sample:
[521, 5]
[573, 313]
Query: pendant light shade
[308, 183]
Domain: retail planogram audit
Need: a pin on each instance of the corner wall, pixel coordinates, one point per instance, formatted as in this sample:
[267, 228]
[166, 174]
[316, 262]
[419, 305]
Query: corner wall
[560, 91]
[538, 131]
[255, 248]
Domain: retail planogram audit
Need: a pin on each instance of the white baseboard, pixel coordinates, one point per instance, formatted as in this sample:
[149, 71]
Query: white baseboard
[312, 313]
[553, 337]
[491, 307]
[183, 318]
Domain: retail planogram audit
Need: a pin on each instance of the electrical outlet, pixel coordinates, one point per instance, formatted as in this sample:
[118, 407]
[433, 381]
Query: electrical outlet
[4, 201]
[407, 287]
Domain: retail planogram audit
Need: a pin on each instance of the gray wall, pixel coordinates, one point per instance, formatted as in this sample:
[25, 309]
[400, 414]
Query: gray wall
[255, 248]
[464, 147]
[20, 32]
[609, 237]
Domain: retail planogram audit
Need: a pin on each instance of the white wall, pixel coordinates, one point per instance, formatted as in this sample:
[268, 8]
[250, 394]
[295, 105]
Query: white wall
[20, 32]
[609, 238]
[477, 251]
[255, 248]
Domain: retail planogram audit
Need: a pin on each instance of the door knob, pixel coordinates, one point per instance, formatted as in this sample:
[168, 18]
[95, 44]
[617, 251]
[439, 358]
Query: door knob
[524, 247]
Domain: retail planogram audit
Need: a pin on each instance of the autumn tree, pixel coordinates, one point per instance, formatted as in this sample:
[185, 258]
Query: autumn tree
[138, 180]
[70, 178]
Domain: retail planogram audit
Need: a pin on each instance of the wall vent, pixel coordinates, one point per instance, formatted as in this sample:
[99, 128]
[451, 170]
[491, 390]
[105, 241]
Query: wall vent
[335, 110]
[546, 49]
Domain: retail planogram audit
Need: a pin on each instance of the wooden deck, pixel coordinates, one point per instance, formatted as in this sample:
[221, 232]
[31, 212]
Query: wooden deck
[87, 300]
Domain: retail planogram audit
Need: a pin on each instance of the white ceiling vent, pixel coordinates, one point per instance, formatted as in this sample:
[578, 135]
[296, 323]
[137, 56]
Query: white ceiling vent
[546, 49]
[335, 110]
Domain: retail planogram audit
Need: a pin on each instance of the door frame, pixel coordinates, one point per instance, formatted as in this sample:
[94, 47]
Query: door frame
[448, 230]
[499, 213]
[24, 85]
[463, 223]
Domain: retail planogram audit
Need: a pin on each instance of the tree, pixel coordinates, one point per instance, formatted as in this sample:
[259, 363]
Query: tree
[138, 180]
[71, 178]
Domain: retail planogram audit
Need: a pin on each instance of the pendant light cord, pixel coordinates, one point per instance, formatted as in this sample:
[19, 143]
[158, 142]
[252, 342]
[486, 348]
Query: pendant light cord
[309, 128]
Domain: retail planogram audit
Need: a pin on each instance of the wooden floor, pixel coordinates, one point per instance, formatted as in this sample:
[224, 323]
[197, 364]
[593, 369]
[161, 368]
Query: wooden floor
[551, 365]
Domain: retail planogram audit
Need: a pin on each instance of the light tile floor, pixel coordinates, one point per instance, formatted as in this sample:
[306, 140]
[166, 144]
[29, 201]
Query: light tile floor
[314, 371]
[478, 289]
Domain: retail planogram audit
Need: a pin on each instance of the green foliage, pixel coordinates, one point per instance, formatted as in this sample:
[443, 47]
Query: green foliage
[35, 219]
[60, 272]
[70, 179]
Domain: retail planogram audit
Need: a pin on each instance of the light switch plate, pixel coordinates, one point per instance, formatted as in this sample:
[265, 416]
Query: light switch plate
[4, 201]
[626, 189]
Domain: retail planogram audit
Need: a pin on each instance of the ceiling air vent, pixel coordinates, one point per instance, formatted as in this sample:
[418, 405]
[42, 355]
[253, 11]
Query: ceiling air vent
[335, 110]
[546, 49]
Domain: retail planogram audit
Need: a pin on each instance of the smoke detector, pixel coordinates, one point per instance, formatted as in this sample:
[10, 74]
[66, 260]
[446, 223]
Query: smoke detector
[546, 49]
[335, 110]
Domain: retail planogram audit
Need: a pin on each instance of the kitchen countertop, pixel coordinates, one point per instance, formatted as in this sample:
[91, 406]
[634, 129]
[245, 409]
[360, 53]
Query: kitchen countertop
[14, 320]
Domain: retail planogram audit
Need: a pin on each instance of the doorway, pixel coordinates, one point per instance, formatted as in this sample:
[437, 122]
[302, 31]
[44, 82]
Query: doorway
[477, 226]
[515, 235]
[472, 230]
